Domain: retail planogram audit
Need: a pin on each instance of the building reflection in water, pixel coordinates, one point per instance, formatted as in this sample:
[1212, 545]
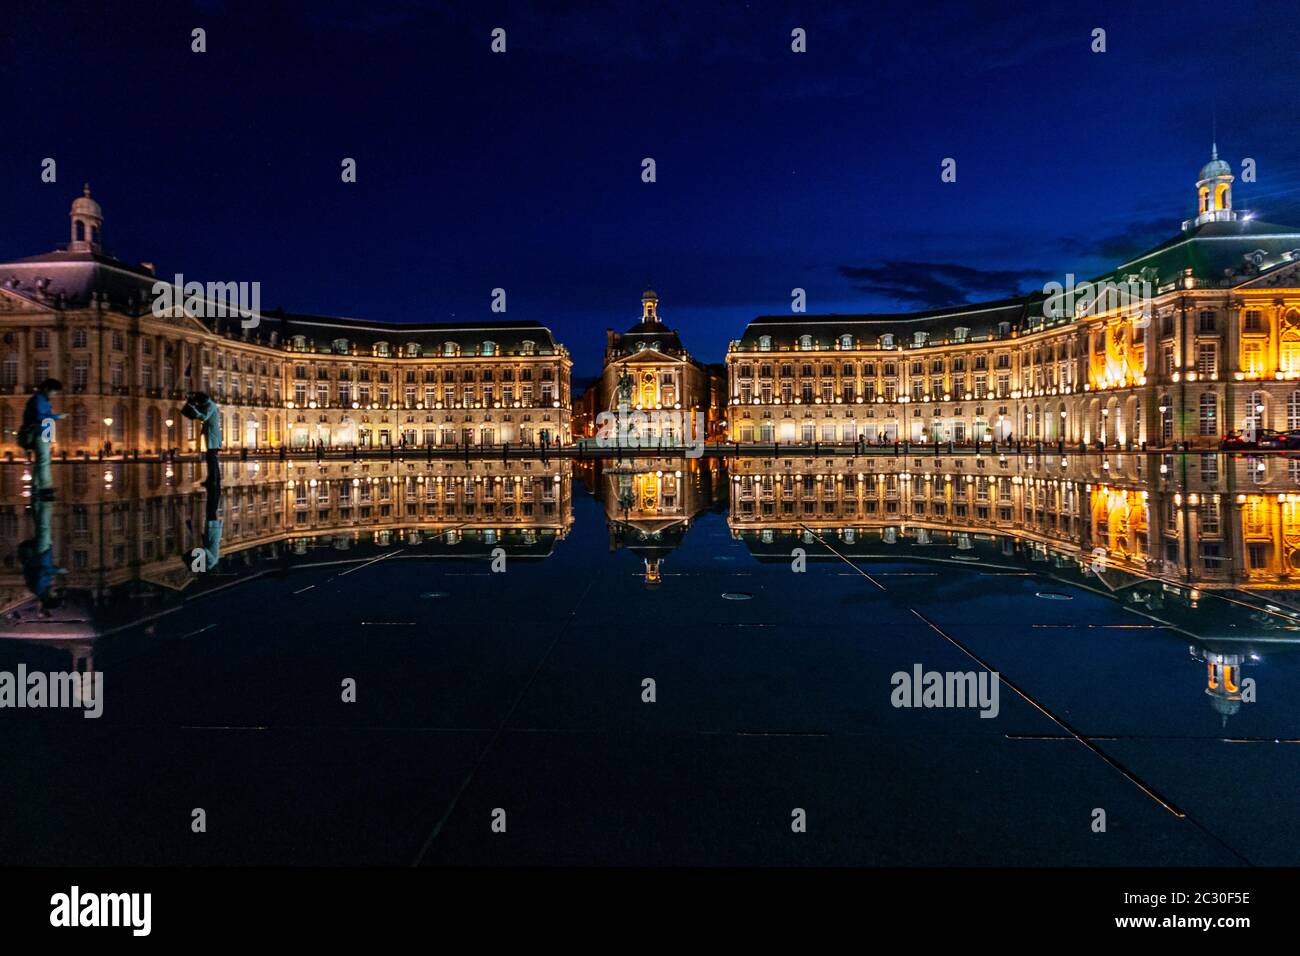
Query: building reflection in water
[650, 503]
[133, 541]
[1206, 544]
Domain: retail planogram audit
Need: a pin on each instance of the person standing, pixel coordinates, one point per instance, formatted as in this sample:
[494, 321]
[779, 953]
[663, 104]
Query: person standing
[37, 434]
[201, 408]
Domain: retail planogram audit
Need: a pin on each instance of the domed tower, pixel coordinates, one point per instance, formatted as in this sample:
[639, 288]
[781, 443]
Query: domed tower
[87, 223]
[1214, 190]
[649, 306]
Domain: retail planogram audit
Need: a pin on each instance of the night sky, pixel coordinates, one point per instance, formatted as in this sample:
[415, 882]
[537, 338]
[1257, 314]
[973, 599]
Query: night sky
[475, 170]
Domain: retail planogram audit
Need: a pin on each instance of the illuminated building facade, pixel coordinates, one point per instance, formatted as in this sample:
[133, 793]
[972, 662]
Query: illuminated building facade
[648, 369]
[86, 318]
[1210, 343]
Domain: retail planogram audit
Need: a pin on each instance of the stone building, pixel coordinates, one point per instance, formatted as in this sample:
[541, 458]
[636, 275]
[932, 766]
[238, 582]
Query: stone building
[1195, 337]
[81, 315]
[647, 369]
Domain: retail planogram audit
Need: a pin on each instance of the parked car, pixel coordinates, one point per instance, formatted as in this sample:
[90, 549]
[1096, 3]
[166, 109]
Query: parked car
[1237, 441]
[1288, 439]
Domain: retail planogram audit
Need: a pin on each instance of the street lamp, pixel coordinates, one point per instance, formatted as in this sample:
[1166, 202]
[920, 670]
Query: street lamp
[108, 423]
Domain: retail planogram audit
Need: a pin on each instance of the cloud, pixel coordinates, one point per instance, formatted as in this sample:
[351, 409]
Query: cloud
[934, 285]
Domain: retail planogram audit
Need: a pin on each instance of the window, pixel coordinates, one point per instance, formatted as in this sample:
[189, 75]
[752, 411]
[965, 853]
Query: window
[1209, 414]
[765, 343]
[1207, 359]
[1251, 359]
[1206, 321]
[1254, 321]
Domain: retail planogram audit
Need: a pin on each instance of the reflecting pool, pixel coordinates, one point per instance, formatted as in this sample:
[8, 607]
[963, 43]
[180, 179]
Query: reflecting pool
[656, 660]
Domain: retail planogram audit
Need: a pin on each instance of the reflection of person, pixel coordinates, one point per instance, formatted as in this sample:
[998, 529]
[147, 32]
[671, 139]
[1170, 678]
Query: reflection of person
[200, 407]
[37, 556]
[37, 433]
[212, 529]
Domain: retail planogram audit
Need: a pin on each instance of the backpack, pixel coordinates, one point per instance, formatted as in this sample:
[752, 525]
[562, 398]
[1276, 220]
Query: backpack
[29, 437]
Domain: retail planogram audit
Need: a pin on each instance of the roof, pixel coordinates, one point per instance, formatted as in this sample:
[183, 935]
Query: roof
[68, 280]
[1219, 254]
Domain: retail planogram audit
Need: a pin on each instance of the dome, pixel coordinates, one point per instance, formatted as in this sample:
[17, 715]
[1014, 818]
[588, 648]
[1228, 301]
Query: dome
[83, 205]
[649, 295]
[1215, 167]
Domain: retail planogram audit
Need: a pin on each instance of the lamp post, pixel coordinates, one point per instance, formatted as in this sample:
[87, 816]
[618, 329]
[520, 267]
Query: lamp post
[169, 422]
[108, 446]
[1105, 416]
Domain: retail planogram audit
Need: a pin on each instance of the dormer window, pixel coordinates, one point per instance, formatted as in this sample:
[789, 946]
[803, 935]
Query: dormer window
[1004, 329]
[805, 342]
[413, 350]
[887, 340]
[488, 348]
[341, 346]
[919, 338]
[846, 341]
[300, 343]
[528, 347]
[382, 350]
[765, 343]
[450, 349]
[960, 333]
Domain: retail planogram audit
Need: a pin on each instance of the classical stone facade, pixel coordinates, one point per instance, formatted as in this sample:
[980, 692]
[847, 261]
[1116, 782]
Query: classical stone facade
[647, 369]
[1197, 337]
[87, 318]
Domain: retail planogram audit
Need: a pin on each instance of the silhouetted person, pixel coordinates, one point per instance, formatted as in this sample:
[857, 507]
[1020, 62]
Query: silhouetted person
[37, 434]
[200, 407]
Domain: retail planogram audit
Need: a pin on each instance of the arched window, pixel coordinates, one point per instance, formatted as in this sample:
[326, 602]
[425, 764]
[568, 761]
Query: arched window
[1205, 198]
[805, 342]
[489, 348]
[1209, 414]
[1256, 411]
[1221, 196]
[1291, 342]
[846, 341]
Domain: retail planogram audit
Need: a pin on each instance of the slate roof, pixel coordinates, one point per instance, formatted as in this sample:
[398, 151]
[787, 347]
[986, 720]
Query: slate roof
[67, 280]
[1220, 255]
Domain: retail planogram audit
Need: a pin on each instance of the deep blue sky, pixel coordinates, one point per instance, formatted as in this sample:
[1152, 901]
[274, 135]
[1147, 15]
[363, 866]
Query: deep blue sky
[522, 170]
